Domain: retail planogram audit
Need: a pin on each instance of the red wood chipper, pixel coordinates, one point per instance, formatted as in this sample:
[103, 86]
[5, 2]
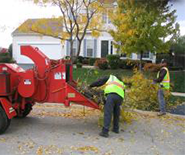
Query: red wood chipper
[48, 81]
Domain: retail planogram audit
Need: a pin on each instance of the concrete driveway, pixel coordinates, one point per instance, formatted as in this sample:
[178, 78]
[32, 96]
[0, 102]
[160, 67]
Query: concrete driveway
[54, 129]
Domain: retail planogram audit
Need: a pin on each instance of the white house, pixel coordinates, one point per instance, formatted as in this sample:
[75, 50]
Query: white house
[54, 49]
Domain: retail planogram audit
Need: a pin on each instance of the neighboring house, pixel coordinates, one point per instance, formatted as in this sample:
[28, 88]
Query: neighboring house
[54, 49]
[48, 45]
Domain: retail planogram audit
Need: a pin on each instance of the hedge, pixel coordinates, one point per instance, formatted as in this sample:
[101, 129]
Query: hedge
[101, 63]
[5, 58]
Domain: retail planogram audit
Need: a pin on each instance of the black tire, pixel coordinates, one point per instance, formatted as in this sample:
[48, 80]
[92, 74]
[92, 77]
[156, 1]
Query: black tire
[28, 108]
[4, 121]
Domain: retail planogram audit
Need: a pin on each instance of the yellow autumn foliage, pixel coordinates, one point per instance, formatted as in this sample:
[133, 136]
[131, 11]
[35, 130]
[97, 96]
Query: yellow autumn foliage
[143, 94]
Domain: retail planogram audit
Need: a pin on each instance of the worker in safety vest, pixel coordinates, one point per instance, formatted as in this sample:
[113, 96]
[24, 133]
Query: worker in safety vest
[163, 79]
[114, 91]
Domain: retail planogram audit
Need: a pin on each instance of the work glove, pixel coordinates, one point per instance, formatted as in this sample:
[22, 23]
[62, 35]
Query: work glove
[128, 85]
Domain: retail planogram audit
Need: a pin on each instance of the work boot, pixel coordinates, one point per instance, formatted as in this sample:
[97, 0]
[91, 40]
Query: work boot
[104, 134]
[161, 113]
[115, 130]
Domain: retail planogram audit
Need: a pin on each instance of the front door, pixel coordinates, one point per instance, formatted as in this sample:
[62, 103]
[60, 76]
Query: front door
[104, 48]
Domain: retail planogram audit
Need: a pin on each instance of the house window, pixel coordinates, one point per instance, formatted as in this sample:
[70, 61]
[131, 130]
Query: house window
[124, 55]
[109, 21]
[90, 48]
[146, 55]
[104, 17]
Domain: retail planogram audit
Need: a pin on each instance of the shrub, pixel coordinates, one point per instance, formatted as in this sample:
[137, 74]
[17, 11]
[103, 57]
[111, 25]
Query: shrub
[131, 64]
[5, 58]
[101, 63]
[80, 59]
[79, 65]
[114, 61]
[165, 56]
[123, 64]
[10, 51]
[67, 57]
[152, 67]
[85, 61]
[92, 61]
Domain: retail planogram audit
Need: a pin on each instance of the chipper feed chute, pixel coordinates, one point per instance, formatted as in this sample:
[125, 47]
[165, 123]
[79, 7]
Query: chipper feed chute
[54, 79]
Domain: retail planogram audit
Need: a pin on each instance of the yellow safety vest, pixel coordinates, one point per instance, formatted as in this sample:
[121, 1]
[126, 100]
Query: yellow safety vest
[114, 85]
[166, 80]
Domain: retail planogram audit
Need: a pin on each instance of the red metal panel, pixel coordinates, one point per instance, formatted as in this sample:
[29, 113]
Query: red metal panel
[74, 96]
[26, 85]
[14, 71]
[10, 112]
[4, 84]
[42, 62]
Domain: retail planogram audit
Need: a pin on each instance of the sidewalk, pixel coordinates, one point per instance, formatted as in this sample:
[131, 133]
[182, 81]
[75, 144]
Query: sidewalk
[178, 94]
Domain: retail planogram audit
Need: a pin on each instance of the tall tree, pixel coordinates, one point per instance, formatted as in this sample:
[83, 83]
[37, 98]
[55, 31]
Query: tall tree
[144, 26]
[77, 17]
[179, 46]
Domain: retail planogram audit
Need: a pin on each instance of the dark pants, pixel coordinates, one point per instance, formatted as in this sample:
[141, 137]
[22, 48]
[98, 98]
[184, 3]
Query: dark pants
[112, 106]
[161, 99]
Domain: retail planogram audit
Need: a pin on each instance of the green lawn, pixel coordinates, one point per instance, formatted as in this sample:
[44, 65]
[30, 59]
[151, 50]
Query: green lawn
[178, 81]
[90, 75]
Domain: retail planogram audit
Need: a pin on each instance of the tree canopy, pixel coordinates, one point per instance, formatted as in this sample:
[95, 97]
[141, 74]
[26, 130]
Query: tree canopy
[179, 46]
[76, 19]
[144, 26]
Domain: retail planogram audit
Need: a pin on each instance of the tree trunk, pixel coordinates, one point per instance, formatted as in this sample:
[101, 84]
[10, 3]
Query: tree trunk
[79, 47]
[140, 63]
[71, 50]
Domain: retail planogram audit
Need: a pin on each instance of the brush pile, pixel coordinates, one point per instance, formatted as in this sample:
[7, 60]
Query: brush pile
[94, 94]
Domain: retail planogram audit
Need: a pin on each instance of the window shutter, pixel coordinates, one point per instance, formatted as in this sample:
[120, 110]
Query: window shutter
[138, 56]
[77, 43]
[151, 55]
[85, 48]
[95, 48]
[67, 48]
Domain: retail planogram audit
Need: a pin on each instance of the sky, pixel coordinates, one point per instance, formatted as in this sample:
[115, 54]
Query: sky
[15, 12]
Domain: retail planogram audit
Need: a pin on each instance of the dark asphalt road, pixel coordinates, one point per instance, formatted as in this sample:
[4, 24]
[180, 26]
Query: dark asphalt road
[180, 110]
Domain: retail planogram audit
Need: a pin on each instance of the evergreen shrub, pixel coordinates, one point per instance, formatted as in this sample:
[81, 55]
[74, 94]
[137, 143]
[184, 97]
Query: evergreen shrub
[92, 61]
[5, 58]
[79, 65]
[113, 61]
